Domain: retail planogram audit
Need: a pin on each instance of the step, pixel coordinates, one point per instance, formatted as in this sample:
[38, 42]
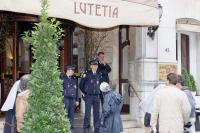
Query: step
[129, 124]
[134, 130]
[126, 117]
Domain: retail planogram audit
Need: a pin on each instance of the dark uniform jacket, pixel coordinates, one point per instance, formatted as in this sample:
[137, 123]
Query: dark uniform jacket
[104, 69]
[70, 89]
[90, 84]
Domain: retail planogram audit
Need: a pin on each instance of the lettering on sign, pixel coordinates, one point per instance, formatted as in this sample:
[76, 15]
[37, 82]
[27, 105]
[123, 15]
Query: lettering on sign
[92, 9]
[165, 69]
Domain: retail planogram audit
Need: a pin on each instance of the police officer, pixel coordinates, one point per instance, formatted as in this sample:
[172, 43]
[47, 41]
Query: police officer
[90, 86]
[70, 92]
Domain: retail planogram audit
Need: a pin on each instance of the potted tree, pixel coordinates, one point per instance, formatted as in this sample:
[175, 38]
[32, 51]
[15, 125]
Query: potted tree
[46, 113]
[189, 81]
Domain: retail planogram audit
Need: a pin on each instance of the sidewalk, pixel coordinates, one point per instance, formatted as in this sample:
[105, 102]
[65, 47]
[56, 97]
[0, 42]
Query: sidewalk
[1, 125]
[78, 124]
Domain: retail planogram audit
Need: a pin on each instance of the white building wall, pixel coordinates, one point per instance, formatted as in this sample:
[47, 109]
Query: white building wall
[162, 50]
[173, 10]
[143, 68]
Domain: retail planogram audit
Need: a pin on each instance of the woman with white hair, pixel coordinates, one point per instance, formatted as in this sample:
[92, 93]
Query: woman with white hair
[110, 120]
[22, 101]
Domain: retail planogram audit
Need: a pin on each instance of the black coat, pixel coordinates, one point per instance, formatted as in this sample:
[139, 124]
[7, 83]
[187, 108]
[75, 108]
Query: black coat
[90, 84]
[104, 70]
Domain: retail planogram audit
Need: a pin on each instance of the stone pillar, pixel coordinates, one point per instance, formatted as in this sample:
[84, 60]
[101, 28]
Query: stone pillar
[198, 64]
[114, 56]
[142, 69]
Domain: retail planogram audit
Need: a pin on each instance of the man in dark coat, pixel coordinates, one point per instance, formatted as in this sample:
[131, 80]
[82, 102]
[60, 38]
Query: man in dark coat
[105, 69]
[70, 92]
[89, 85]
[110, 120]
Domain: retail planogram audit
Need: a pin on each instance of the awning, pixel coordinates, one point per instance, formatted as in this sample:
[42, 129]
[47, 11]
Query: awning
[92, 13]
[188, 24]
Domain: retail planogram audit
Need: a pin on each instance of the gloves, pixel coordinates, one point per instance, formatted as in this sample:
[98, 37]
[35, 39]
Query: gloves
[102, 121]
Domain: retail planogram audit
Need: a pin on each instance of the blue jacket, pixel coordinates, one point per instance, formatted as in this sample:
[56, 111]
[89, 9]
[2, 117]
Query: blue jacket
[110, 120]
[70, 89]
[90, 84]
[191, 100]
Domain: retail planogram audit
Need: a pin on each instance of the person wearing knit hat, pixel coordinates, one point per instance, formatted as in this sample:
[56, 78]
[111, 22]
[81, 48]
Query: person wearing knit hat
[110, 121]
[104, 87]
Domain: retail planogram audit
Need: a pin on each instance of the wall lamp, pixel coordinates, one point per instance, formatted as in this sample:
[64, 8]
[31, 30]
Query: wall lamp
[151, 30]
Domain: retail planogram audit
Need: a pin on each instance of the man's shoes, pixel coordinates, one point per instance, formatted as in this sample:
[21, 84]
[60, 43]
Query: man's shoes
[86, 130]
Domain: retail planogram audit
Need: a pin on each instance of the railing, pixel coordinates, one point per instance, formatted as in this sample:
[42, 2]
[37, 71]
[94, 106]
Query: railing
[132, 90]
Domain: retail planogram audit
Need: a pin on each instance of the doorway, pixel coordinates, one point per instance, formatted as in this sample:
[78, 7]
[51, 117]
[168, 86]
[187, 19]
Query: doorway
[6, 66]
[185, 48]
[16, 60]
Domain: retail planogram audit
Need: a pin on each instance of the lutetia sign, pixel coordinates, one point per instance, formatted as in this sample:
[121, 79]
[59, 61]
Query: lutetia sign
[92, 13]
[93, 9]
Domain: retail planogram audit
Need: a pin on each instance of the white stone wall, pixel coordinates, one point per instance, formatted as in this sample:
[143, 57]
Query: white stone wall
[173, 10]
[143, 69]
[150, 53]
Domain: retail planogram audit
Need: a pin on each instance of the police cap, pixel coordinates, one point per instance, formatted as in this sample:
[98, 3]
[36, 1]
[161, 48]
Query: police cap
[93, 62]
[70, 66]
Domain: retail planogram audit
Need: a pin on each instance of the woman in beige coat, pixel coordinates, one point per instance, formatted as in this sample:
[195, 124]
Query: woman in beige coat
[22, 101]
[172, 106]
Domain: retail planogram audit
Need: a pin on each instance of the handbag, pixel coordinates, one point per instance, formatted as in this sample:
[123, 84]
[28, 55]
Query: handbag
[147, 119]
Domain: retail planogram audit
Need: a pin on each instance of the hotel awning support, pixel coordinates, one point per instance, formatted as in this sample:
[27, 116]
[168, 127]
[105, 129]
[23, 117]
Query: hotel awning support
[153, 29]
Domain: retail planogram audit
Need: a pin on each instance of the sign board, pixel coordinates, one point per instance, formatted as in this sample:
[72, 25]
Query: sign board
[165, 69]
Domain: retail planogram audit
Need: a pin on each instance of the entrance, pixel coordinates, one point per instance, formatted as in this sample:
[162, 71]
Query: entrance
[185, 59]
[16, 59]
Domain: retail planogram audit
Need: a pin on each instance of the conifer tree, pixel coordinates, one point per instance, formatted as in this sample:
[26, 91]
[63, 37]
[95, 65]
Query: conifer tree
[46, 113]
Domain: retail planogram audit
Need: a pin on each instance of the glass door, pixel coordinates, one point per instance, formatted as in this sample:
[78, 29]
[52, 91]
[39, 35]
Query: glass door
[23, 54]
[6, 68]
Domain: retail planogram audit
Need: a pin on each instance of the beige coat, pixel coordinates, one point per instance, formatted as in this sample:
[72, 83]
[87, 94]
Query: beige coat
[173, 108]
[21, 108]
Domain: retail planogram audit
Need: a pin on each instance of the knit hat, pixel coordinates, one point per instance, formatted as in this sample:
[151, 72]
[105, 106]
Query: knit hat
[104, 87]
[70, 67]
